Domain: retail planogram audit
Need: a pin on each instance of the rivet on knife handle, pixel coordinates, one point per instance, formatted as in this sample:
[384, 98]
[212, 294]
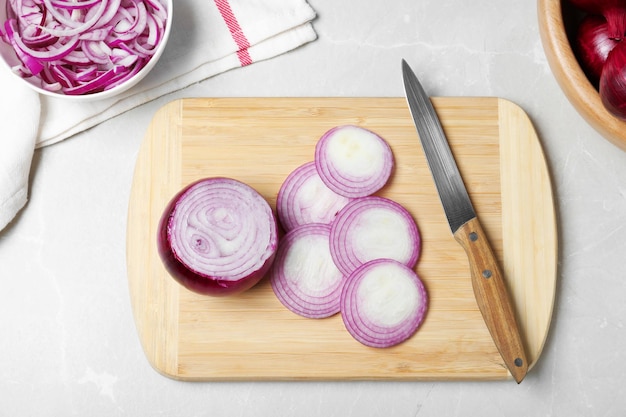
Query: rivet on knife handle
[488, 285]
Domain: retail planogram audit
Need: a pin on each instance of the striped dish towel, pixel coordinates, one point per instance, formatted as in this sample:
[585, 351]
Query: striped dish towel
[208, 37]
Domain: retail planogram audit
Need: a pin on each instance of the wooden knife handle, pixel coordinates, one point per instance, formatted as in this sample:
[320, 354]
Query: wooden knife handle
[492, 297]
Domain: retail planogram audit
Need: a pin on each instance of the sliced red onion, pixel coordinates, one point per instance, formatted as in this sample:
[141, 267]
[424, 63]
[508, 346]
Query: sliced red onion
[383, 303]
[304, 276]
[303, 198]
[218, 236]
[30, 64]
[95, 84]
[69, 24]
[119, 37]
[353, 161]
[373, 227]
[73, 5]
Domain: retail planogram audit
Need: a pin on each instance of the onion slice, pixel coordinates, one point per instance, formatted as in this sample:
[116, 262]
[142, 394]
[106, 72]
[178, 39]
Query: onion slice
[217, 236]
[383, 303]
[304, 276]
[373, 227]
[353, 161]
[303, 198]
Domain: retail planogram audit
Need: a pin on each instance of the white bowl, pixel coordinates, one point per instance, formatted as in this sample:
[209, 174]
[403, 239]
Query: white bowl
[10, 59]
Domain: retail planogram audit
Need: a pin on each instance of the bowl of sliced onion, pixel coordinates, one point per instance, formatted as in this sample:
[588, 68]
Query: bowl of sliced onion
[83, 49]
[585, 45]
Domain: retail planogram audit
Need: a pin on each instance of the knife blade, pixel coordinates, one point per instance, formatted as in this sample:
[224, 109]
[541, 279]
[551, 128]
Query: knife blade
[487, 279]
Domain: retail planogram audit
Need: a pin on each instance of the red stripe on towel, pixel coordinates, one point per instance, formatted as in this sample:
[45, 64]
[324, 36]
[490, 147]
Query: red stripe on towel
[235, 30]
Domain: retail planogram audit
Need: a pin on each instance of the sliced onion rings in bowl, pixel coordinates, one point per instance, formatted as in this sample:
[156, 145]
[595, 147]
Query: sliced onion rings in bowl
[85, 53]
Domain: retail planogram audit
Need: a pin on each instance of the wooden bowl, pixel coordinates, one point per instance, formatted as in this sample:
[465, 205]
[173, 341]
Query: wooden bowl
[577, 88]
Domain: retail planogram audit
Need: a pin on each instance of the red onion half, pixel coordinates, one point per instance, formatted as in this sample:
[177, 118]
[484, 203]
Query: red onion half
[383, 303]
[352, 161]
[303, 198]
[613, 82]
[304, 276]
[217, 236]
[593, 45]
[370, 228]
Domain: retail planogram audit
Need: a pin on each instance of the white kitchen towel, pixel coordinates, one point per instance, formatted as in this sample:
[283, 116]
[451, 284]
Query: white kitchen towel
[208, 37]
[19, 109]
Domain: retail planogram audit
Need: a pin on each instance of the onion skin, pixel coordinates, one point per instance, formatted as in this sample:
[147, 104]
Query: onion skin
[197, 281]
[614, 11]
[208, 285]
[593, 45]
[613, 82]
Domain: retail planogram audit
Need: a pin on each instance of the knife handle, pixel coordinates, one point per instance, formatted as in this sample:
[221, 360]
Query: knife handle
[492, 297]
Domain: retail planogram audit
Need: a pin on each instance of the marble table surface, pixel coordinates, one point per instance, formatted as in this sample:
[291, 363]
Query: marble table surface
[68, 344]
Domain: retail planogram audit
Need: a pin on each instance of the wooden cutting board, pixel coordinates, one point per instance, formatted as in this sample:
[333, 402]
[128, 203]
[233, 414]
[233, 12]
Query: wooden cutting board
[260, 141]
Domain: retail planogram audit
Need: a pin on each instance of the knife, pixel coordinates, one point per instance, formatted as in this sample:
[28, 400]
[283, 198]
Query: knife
[487, 278]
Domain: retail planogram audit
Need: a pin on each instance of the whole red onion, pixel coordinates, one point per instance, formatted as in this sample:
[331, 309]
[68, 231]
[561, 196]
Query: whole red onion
[614, 11]
[593, 45]
[613, 82]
